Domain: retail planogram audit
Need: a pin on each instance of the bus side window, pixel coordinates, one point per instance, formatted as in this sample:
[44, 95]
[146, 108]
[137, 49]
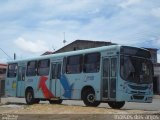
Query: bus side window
[31, 68]
[106, 67]
[59, 71]
[56, 71]
[12, 70]
[91, 63]
[74, 64]
[43, 67]
[54, 76]
[23, 73]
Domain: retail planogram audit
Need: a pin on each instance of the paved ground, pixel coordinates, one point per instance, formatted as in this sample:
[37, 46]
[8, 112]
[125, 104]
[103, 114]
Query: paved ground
[71, 109]
[150, 107]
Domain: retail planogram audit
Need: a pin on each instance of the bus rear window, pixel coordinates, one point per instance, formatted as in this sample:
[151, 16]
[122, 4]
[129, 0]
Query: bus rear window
[43, 67]
[31, 68]
[91, 63]
[74, 64]
[12, 70]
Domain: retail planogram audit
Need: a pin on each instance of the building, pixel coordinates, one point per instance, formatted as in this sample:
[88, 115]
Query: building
[3, 68]
[48, 52]
[83, 44]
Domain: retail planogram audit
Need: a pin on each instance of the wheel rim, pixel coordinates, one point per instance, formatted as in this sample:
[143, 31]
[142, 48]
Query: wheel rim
[29, 97]
[91, 98]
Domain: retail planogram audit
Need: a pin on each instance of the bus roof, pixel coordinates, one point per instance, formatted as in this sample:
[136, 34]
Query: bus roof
[89, 50]
[69, 53]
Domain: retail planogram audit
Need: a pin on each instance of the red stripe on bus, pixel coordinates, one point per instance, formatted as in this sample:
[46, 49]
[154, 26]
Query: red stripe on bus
[42, 85]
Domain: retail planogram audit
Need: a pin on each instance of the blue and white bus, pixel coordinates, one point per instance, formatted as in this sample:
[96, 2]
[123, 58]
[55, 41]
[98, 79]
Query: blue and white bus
[113, 74]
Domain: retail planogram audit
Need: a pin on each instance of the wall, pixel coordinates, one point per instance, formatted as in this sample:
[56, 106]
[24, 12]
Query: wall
[2, 78]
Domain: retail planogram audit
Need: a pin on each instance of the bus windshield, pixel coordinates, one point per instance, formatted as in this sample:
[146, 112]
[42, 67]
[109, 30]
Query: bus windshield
[132, 51]
[136, 70]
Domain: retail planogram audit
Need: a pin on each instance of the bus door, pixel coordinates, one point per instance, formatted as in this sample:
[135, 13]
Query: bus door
[109, 77]
[55, 79]
[21, 81]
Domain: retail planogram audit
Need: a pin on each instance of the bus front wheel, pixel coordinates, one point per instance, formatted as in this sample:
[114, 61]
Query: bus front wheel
[29, 96]
[116, 105]
[89, 98]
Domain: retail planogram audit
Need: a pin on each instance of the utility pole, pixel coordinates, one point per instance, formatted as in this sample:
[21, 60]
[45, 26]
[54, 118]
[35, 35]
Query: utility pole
[64, 41]
[14, 56]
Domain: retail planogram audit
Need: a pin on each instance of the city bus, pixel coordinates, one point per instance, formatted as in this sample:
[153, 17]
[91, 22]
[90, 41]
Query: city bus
[112, 74]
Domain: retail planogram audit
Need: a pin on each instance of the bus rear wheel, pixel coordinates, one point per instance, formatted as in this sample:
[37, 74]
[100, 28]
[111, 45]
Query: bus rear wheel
[116, 105]
[88, 97]
[29, 96]
[55, 101]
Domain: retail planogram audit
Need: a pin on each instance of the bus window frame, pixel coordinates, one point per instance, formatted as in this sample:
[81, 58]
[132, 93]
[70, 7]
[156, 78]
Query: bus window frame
[35, 68]
[70, 68]
[95, 65]
[48, 67]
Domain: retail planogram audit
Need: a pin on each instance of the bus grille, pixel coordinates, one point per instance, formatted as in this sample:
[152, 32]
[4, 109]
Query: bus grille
[138, 92]
[138, 87]
[138, 97]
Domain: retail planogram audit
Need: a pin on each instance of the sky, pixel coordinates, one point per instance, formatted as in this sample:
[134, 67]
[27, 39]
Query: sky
[31, 27]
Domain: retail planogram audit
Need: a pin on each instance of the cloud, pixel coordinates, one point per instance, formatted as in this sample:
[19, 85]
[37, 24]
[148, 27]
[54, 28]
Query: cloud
[154, 42]
[156, 12]
[128, 22]
[157, 42]
[30, 46]
[128, 3]
[3, 60]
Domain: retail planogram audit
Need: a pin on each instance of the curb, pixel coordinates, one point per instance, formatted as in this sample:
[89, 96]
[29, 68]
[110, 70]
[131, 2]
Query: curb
[156, 96]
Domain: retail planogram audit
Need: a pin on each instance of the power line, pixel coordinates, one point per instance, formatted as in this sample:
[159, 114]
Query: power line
[6, 53]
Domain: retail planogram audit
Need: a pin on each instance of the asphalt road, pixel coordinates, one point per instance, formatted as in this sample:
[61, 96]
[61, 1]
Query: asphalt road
[150, 107]
[16, 108]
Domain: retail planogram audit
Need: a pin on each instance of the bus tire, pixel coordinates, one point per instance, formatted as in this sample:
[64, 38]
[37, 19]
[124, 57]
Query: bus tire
[29, 96]
[56, 101]
[88, 97]
[116, 105]
[36, 101]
